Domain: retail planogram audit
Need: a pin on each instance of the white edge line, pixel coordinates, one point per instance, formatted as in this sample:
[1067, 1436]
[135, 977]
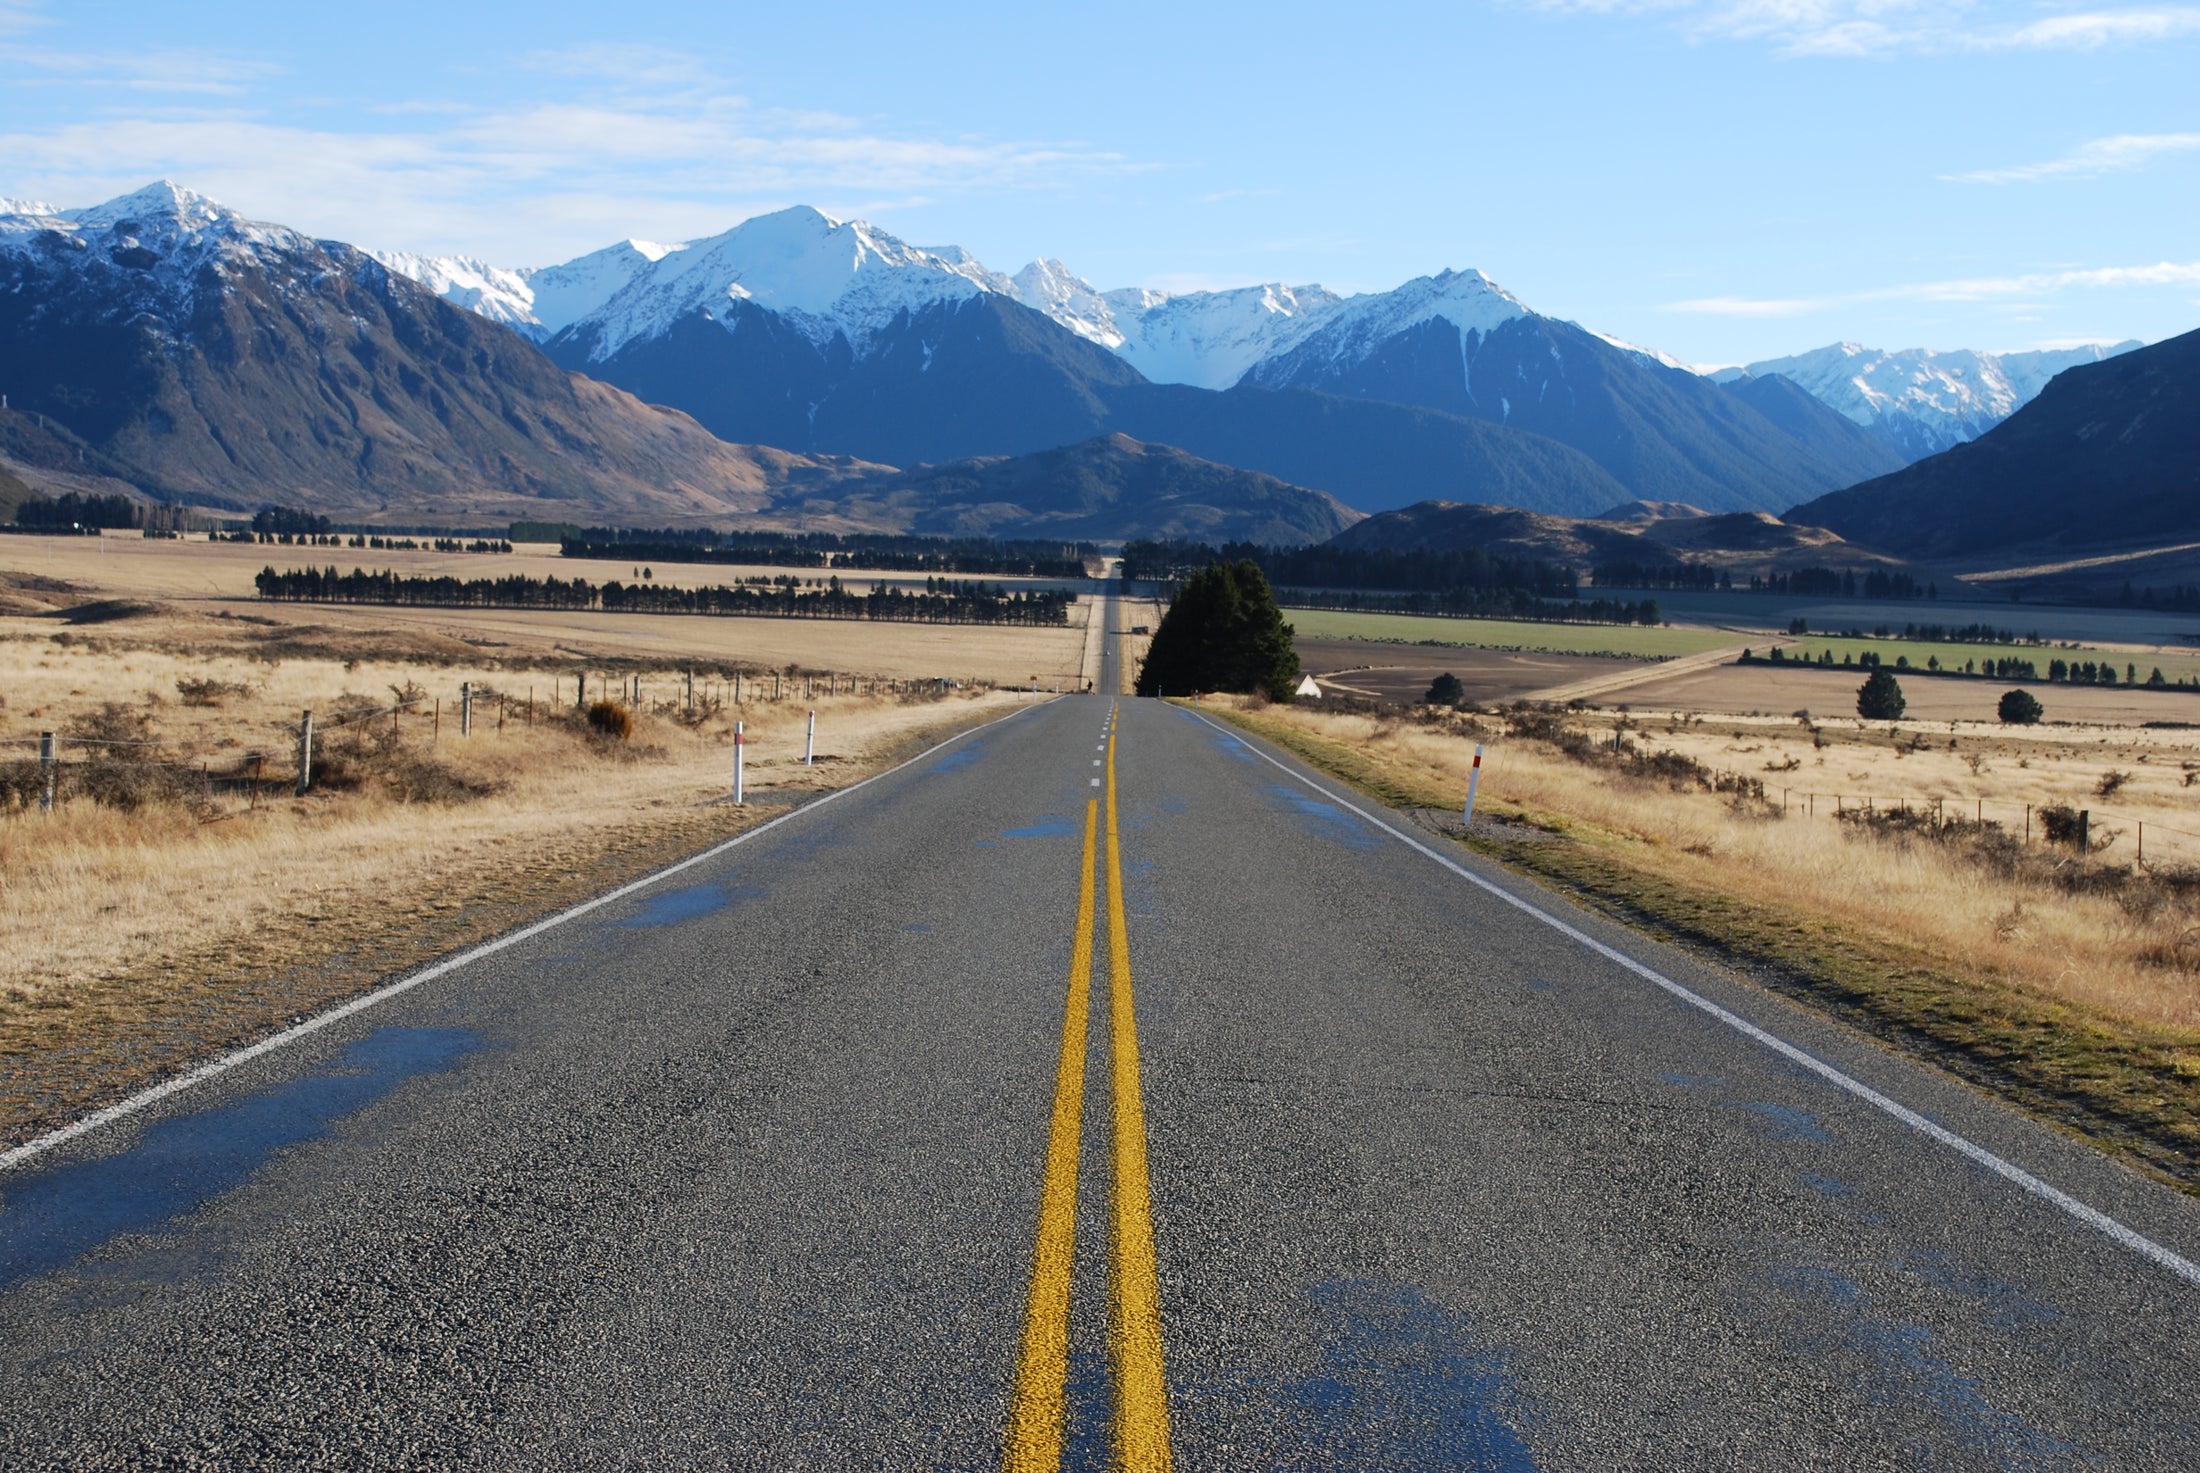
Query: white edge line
[38, 1146]
[2092, 1217]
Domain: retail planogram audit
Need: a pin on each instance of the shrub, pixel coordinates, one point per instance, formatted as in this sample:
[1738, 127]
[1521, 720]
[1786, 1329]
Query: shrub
[2059, 822]
[207, 691]
[1880, 698]
[2021, 708]
[610, 720]
[1445, 690]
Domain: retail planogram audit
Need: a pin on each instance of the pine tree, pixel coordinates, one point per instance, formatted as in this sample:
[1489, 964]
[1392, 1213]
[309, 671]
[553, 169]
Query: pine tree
[1880, 698]
[1223, 632]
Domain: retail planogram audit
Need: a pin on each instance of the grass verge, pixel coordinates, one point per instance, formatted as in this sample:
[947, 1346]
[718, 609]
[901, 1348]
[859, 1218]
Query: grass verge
[413, 881]
[2130, 1087]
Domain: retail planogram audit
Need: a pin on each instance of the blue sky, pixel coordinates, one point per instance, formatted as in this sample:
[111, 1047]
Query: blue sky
[1720, 179]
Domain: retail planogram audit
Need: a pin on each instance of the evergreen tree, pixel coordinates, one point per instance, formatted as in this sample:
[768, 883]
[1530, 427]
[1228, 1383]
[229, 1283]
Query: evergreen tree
[1223, 632]
[1445, 690]
[2021, 708]
[1879, 698]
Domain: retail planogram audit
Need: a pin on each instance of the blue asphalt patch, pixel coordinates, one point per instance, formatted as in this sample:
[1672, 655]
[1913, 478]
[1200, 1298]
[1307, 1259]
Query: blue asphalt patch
[958, 759]
[1899, 1362]
[1789, 1123]
[1049, 827]
[54, 1217]
[1405, 1385]
[675, 906]
[1325, 819]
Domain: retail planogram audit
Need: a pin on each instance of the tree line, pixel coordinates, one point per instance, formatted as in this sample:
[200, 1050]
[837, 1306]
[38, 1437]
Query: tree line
[887, 552]
[1486, 603]
[943, 600]
[74, 512]
[1451, 571]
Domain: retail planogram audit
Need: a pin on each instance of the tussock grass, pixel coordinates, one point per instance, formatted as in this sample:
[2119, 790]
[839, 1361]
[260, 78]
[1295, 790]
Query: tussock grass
[141, 926]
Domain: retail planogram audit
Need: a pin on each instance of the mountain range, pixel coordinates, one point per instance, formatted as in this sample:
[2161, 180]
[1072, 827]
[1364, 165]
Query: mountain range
[821, 335]
[801, 370]
[1914, 402]
[163, 345]
[2107, 455]
[1740, 543]
[1919, 402]
[206, 358]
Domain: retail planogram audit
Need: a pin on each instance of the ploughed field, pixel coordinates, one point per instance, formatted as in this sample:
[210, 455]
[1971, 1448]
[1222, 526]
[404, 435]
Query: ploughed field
[1402, 672]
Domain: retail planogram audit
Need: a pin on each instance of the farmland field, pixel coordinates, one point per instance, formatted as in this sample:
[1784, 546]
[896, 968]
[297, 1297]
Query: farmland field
[1622, 640]
[1403, 672]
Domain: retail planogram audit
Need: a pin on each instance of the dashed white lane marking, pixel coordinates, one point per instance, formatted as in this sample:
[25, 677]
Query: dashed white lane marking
[2092, 1217]
[1096, 782]
[42, 1144]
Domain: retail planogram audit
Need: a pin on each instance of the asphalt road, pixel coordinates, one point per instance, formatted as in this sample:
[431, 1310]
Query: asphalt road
[789, 1161]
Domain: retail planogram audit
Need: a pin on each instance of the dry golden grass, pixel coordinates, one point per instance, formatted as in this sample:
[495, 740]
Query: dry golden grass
[2103, 951]
[198, 581]
[92, 892]
[133, 941]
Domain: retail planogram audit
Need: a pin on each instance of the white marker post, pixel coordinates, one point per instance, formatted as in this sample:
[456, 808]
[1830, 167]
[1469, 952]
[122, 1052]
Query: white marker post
[740, 746]
[1474, 780]
[809, 743]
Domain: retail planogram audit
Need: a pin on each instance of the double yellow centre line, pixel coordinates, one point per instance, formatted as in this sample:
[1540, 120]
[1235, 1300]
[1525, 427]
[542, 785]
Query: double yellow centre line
[1037, 1418]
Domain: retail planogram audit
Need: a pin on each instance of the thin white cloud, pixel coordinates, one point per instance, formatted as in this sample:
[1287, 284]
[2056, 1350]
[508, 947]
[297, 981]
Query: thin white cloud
[516, 183]
[189, 70]
[1997, 289]
[2100, 156]
[19, 16]
[1859, 28]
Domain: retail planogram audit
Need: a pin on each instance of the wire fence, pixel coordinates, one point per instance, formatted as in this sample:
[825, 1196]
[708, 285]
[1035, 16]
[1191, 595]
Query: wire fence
[2095, 829]
[264, 759]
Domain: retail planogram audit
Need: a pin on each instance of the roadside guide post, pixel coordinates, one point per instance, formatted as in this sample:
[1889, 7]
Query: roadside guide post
[809, 743]
[466, 708]
[740, 745]
[1474, 780]
[305, 752]
[45, 772]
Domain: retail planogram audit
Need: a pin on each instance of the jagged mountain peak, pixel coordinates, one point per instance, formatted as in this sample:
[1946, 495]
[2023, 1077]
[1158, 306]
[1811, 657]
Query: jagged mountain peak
[827, 278]
[1049, 286]
[163, 198]
[1922, 401]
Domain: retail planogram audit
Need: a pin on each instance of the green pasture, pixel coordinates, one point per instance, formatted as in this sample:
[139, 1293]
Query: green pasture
[2174, 667]
[1626, 641]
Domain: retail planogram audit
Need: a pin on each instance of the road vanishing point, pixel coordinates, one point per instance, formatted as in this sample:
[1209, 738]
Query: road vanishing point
[1100, 1089]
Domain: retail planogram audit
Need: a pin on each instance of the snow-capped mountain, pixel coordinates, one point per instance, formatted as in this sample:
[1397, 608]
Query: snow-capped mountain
[825, 278]
[163, 235]
[1205, 338]
[1466, 303]
[1921, 402]
[535, 301]
[196, 354]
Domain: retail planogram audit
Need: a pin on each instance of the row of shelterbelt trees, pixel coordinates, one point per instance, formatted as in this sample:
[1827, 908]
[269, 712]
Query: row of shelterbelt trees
[885, 551]
[941, 601]
[1460, 581]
